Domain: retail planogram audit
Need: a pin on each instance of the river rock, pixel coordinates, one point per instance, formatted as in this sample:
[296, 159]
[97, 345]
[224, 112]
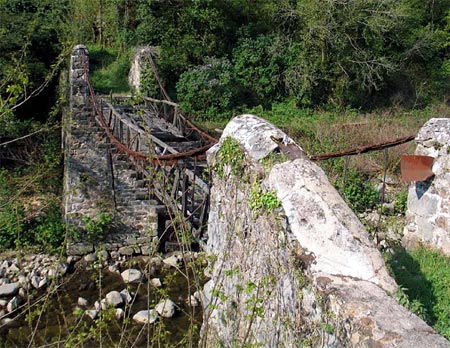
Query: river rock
[23, 281]
[131, 276]
[9, 289]
[171, 261]
[119, 313]
[114, 268]
[8, 323]
[82, 302]
[156, 262]
[114, 298]
[166, 308]
[90, 257]
[192, 301]
[13, 268]
[35, 281]
[146, 316]
[156, 282]
[103, 255]
[13, 304]
[5, 264]
[92, 313]
[43, 282]
[126, 296]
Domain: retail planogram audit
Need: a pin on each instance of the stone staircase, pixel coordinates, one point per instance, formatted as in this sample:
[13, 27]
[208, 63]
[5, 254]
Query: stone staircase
[137, 210]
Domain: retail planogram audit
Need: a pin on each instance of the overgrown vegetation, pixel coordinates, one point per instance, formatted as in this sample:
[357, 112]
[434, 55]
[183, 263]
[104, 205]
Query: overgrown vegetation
[30, 212]
[424, 277]
[261, 201]
[230, 154]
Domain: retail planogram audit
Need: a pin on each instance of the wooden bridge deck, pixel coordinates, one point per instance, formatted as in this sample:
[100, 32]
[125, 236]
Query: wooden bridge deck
[168, 158]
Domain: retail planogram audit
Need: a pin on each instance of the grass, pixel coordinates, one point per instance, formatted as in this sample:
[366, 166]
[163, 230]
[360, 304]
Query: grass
[321, 131]
[424, 276]
[109, 69]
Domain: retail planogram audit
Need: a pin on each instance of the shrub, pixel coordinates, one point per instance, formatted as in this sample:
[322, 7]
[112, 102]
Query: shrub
[207, 91]
[98, 226]
[358, 193]
[259, 65]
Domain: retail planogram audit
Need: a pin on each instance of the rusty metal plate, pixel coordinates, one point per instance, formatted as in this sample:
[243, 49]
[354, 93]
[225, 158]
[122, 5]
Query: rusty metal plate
[416, 168]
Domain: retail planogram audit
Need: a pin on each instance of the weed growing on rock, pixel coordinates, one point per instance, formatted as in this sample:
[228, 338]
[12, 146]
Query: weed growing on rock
[261, 201]
[231, 154]
[98, 226]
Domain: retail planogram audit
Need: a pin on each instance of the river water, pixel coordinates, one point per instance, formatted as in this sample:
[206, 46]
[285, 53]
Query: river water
[52, 319]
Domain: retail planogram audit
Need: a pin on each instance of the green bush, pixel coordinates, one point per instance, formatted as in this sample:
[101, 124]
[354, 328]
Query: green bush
[259, 65]
[358, 193]
[208, 91]
[98, 226]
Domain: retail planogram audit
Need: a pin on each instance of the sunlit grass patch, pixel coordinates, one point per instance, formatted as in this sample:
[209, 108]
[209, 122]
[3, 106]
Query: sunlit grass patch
[424, 276]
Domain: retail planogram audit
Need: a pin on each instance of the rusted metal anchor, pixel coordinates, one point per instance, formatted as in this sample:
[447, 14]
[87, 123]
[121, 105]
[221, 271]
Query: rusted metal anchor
[416, 168]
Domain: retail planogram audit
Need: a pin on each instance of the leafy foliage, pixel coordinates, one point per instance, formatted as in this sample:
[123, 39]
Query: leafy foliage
[207, 90]
[358, 193]
[262, 201]
[109, 69]
[231, 154]
[424, 277]
[98, 226]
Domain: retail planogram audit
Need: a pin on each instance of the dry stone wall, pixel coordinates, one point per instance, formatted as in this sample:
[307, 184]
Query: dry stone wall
[428, 214]
[291, 265]
[98, 181]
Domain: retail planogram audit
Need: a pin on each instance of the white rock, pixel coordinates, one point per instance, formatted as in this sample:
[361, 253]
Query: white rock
[97, 305]
[35, 281]
[114, 298]
[171, 261]
[3, 303]
[5, 264]
[146, 317]
[43, 282]
[156, 282]
[22, 293]
[166, 308]
[192, 301]
[13, 304]
[126, 296]
[114, 268]
[13, 268]
[90, 257]
[115, 255]
[23, 281]
[9, 289]
[82, 302]
[103, 304]
[198, 295]
[92, 313]
[131, 276]
[119, 313]
[103, 255]
[63, 267]
[7, 323]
